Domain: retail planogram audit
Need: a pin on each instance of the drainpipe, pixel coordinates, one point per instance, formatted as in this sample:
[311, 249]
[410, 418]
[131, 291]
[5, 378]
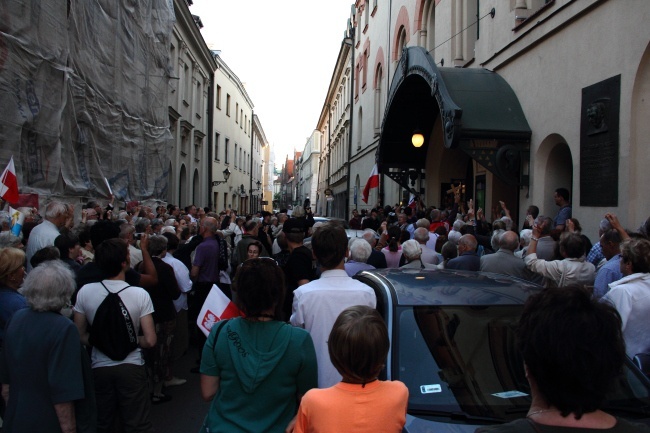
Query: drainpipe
[210, 137]
[250, 181]
[350, 135]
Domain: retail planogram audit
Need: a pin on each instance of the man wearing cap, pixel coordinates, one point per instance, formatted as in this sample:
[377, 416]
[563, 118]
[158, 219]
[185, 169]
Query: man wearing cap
[299, 267]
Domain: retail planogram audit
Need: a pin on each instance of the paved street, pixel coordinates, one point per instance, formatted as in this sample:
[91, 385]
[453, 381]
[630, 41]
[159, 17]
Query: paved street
[186, 411]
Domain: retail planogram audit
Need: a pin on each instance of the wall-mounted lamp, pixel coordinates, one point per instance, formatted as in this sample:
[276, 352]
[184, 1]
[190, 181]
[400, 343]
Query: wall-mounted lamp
[258, 183]
[226, 175]
[242, 190]
[417, 139]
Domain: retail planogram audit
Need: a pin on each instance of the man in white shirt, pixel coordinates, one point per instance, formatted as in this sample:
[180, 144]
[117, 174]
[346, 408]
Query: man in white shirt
[121, 387]
[43, 235]
[317, 304]
[631, 295]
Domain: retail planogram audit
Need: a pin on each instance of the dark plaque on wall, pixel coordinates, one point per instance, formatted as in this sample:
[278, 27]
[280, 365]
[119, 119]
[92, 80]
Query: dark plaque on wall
[599, 121]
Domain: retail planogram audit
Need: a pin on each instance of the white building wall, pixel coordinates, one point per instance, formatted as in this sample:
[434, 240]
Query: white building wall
[233, 116]
[192, 67]
[548, 60]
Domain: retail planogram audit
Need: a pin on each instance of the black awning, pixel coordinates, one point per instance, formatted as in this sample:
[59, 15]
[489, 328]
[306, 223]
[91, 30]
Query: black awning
[477, 109]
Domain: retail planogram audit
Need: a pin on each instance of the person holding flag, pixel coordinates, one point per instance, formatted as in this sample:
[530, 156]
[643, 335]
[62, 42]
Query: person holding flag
[9, 183]
[373, 182]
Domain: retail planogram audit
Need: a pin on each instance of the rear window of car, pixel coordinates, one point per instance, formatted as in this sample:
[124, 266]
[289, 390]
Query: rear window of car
[463, 360]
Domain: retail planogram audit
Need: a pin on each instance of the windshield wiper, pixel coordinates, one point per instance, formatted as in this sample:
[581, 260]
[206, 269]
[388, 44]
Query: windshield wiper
[460, 416]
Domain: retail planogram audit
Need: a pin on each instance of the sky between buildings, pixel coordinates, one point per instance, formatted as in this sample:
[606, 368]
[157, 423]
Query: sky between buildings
[284, 52]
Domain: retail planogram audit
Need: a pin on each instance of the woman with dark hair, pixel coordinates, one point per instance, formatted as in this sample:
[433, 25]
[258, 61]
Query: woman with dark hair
[69, 250]
[393, 251]
[566, 327]
[255, 368]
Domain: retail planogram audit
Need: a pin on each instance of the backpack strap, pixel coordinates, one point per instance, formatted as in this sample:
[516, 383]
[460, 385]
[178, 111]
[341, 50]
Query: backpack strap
[219, 325]
[118, 292]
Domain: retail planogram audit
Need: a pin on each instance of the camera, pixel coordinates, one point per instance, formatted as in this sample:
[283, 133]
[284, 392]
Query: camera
[138, 236]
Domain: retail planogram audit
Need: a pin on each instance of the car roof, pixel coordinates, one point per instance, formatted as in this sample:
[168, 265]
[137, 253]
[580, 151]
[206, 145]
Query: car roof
[449, 287]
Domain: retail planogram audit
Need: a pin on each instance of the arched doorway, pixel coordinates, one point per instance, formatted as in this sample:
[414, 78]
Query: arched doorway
[196, 190]
[170, 182]
[555, 164]
[182, 187]
[639, 175]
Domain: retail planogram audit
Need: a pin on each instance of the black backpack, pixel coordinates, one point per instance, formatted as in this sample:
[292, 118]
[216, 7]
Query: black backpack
[112, 330]
[223, 254]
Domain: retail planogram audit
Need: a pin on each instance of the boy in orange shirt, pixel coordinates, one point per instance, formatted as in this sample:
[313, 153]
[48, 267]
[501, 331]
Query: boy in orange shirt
[358, 345]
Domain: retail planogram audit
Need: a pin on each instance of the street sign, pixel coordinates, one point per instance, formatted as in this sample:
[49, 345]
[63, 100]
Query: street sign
[265, 202]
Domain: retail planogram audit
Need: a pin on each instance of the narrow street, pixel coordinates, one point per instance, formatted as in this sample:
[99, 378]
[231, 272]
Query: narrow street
[186, 410]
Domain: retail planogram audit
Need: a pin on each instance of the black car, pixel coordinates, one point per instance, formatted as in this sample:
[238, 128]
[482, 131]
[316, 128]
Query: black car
[453, 345]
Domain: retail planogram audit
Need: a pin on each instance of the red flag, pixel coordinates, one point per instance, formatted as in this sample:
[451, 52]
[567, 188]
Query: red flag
[9, 183]
[373, 182]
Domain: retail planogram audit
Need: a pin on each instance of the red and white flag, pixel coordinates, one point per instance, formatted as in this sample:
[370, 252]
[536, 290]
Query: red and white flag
[413, 202]
[373, 182]
[9, 183]
[216, 307]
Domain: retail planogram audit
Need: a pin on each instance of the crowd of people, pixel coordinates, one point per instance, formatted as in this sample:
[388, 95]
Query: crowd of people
[303, 316]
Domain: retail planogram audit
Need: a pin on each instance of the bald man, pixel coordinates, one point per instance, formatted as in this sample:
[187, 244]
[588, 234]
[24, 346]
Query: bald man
[504, 260]
[467, 259]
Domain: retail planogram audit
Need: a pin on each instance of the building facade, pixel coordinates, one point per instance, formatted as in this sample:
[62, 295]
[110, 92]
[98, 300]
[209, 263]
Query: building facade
[189, 111]
[232, 141]
[307, 171]
[515, 98]
[333, 193]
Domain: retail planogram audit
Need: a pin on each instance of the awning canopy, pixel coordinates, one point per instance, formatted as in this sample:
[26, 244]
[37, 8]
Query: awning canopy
[478, 111]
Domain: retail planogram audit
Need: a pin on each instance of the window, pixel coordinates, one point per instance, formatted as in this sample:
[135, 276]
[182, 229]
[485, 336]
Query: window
[241, 115]
[378, 100]
[227, 105]
[240, 167]
[356, 82]
[188, 83]
[364, 66]
[237, 112]
[359, 129]
[236, 160]
[218, 98]
[199, 100]
[217, 137]
[226, 150]
[366, 15]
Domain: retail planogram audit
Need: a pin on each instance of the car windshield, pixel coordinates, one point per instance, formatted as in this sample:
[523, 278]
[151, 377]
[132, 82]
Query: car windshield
[462, 360]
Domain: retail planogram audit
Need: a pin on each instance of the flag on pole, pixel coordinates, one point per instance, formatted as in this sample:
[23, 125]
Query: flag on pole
[373, 182]
[9, 183]
[413, 202]
[17, 221]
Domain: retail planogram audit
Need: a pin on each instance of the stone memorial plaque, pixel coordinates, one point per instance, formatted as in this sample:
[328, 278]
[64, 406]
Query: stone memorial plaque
[599, 127]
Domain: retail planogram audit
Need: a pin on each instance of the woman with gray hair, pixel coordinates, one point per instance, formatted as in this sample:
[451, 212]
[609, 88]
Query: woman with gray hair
[412, 252]
[42, 356]
[359, 251]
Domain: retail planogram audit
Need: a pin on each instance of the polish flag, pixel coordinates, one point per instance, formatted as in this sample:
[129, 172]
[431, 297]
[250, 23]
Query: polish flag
[413, 203]
[216, 307]
[373, 182]
[9, 183]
